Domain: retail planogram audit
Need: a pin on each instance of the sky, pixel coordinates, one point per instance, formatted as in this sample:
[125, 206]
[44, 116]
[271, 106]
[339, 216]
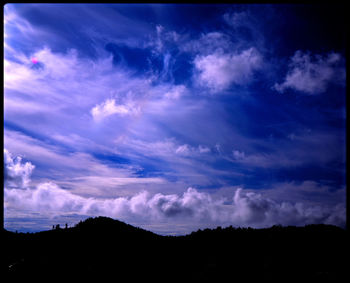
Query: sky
[174, 117]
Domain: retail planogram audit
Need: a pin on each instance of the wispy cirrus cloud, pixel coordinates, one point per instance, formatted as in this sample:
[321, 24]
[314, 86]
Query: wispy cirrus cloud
[81, 173]
[208, 43]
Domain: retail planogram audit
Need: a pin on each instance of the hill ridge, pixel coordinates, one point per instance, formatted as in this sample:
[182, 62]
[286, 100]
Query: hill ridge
[101, 247]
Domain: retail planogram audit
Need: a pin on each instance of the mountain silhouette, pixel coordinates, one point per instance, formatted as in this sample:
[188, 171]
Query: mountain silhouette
[104, 250]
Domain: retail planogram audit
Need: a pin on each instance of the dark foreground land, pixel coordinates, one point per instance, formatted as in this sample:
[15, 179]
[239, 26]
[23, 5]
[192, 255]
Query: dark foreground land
[106, 250]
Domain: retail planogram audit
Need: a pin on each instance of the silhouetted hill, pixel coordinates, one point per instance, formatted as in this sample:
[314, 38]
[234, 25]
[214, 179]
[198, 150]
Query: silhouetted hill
[103, 249]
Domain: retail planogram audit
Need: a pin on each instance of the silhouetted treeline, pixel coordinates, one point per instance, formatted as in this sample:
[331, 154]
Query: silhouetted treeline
[105, 249]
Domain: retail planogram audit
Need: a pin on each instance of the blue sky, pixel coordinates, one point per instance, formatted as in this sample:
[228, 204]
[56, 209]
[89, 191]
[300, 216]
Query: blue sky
[174, 117]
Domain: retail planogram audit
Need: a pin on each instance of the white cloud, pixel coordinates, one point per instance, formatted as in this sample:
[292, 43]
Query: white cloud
[89, 88]
[238, 155]
[81, 172]
[17, 26]
[313, 74]
[168, 149]
[108, 186]
[246, 208]
[163, 39]
[219, 70]
[176, 92]
[16, 174]
[109, 107]
[183, 149]
[207, 44]
[37, 101]
[203, 149]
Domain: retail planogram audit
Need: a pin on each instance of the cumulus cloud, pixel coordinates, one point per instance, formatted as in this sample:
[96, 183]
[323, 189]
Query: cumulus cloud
[46, 197]
[312, 74]
[246, 208]
[109, 107]
[220, 70]
[16, 173]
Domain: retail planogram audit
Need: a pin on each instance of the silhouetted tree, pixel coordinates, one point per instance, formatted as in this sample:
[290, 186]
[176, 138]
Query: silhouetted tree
[58, 226]
[66, 225]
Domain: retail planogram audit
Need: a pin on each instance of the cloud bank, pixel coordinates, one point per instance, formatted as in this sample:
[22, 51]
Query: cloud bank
[244, 209]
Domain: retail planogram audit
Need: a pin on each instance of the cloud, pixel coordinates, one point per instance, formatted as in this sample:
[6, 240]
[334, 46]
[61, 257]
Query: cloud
[183, 149]
[207, 44]
[313, 74]
[237, 19]
[203, 149]
[16, 174]
[169, 150]
[173, 141]
[176, 92]
[109, 186]
[238, 154]
[28, 32]
[308, 192]
[109, 107]
[164, 39]
[297, 150]
[246, 208]
[81, 172]
[218, 71]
